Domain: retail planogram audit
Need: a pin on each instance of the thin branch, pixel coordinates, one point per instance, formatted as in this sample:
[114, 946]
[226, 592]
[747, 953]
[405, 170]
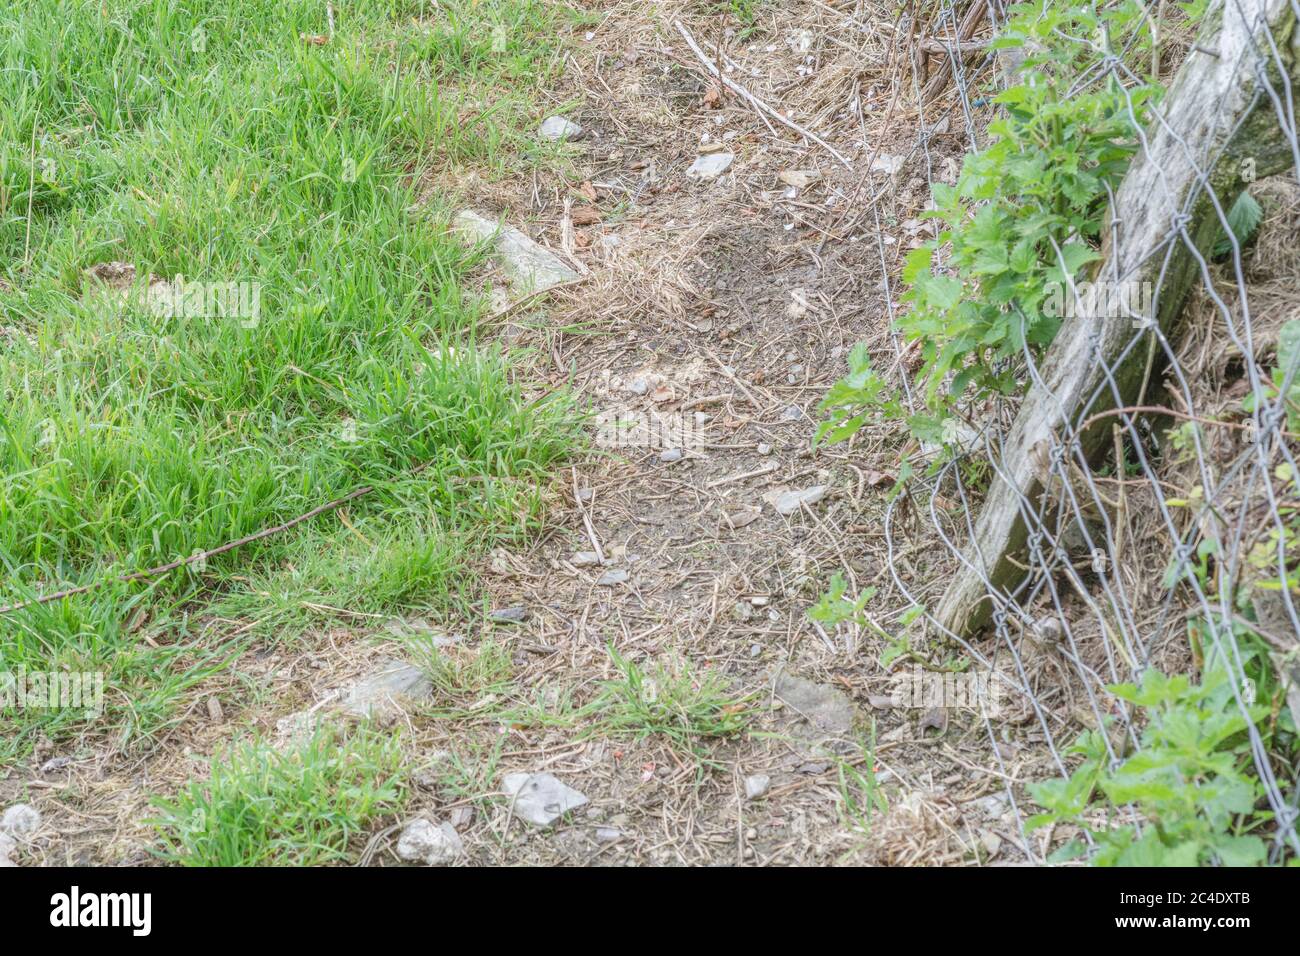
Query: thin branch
[754, 100]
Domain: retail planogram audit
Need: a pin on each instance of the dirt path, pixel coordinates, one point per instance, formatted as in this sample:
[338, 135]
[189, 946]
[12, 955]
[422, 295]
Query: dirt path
[727, 307]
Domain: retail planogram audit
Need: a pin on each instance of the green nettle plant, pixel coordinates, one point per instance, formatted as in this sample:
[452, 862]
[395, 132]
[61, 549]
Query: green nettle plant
[1019, 226]
[1192, 779]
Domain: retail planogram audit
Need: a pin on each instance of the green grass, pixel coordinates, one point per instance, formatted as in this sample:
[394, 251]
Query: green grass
[300, 807]
[197, 138]
[462, 676]
[670, 700]
[675, 702]
[472, 773]
[860, 795]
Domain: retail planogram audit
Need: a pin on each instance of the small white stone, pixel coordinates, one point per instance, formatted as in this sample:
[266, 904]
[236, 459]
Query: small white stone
[431, 845]
[20, 820]
[888, 164]
[540, 798]
[756, 785]
[557, 128]
[710, 166]
[792, 502]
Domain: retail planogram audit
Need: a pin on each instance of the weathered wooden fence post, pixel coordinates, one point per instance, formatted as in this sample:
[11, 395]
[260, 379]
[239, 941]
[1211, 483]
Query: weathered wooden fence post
[1216, 119]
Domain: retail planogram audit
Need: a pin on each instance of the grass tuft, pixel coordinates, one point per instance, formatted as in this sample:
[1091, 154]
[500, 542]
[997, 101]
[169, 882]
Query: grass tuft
[301, 807]
[676, 702]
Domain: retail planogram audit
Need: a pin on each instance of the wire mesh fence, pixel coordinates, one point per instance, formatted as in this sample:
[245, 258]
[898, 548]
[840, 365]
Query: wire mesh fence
[1153, 516]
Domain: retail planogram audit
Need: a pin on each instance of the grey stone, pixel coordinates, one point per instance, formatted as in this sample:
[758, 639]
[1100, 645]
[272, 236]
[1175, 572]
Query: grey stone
[670, 454]
[826, 708]
[384, 690]
[556, 128]
[756, 785]
[20, 820]
[422, 842]
[527, 266]
[792, 413]
[736, 520]
[7, 846]
[793, 501]
[611, 578]
[888, 164]
[585, 559]
[539, 798]
[608, 834]
[710, 166]
[510, 615]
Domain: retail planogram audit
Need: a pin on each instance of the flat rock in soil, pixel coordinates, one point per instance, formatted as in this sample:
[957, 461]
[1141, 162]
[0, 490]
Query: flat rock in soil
[422, 842]
[756, 785]
[386, 689]
[55, 764]
[887, 164]
[539, 798]
[825, 707]
[510, 615]
[710, 166]
[792, 502]
[611, 578]
[528, 267]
